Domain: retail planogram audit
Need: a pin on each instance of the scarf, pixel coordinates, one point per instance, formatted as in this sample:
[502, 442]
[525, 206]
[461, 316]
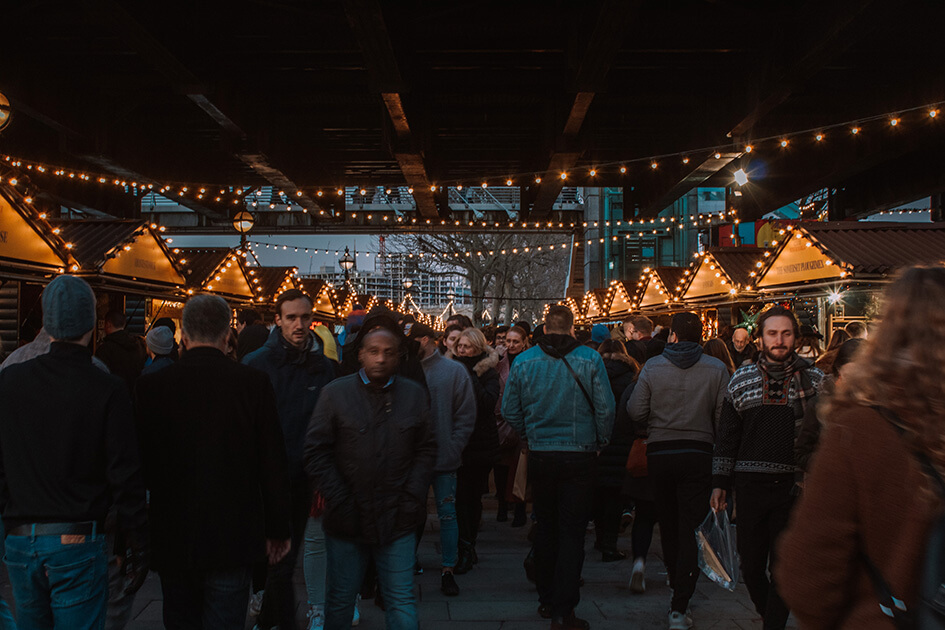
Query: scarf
[297, 356]
[776, 377]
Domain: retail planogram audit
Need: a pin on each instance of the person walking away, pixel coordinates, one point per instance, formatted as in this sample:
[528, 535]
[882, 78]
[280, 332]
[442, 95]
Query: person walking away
[558, 397]
[251, 333]
[510, 443]
[871, 497]
[640, 330]
[299, 371]
[472, 478]
[217, 471]
[68, 450]
[370, 451]
[765, 408]
[677, 401]
[453, 404]
[715, 347]
[612, 463]
[121, 351]
[160, 344]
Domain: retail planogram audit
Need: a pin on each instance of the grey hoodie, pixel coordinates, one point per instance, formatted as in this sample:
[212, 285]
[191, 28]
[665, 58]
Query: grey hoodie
[679, 395]
[453, 403]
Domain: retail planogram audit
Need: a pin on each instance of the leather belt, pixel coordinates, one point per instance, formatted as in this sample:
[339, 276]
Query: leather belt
[86, 528]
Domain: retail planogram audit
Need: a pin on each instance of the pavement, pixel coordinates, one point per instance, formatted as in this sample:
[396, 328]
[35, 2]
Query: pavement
[495, 594]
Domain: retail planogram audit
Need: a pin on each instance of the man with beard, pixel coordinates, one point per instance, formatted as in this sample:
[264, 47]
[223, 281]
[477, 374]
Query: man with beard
[766, 405]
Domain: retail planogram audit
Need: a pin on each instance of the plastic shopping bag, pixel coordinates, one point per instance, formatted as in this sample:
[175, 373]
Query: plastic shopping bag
[718, 553]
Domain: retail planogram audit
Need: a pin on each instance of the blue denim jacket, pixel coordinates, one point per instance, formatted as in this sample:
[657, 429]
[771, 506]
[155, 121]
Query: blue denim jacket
[543, 402]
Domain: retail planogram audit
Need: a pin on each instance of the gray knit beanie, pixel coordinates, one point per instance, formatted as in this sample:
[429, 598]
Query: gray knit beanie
[68, 308]
[160, 340]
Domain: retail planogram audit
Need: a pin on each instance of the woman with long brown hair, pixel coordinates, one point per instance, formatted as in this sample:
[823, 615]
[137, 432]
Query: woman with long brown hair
[715, 347]
[867, 498]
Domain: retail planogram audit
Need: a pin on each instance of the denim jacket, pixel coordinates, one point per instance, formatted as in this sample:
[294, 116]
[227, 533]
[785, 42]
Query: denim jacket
[543, 402]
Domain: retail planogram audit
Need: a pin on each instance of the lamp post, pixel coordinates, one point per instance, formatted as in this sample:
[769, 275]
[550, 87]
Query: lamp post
[346, 262]
[243, 222]
[407, 284]
[450, 296]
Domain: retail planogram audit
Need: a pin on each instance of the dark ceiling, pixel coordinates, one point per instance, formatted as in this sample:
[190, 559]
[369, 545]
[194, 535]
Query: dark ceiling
[307, 94]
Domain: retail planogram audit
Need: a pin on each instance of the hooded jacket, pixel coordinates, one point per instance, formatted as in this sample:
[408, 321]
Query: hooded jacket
[453, 401]
[543, 403]
[298, 377]
[484, 441]
[678, 396]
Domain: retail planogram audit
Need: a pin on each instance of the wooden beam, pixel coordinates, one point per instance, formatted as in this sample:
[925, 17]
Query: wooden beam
[692, 179]
[367, 21]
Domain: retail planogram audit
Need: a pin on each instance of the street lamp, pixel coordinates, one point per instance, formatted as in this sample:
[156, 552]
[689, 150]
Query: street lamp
[407, 284]
[243, 222]
[450, 296]
[346, 262]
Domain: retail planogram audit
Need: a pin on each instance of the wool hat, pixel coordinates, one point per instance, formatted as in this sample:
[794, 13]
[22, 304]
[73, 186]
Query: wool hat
[68, 308]
[599, 333]
[160, 340]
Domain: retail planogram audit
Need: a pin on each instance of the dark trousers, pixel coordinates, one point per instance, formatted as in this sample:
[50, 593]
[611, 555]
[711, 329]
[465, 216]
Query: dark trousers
[278, 608]
[209, 600]
[501, 475]
[563, 493]
[641, 535]
[608, 507]
[471, 483]
[764, 508]
[683, 485]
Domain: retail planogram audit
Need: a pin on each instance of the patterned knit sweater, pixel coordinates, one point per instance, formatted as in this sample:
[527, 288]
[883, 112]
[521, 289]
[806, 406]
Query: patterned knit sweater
[759, 437]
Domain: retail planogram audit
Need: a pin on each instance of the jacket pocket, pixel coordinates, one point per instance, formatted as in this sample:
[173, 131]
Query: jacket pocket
[342, 518]
[410, 511]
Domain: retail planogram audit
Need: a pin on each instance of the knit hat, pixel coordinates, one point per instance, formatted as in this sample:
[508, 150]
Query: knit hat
[160, 340]
[68, 308]
[599, 333]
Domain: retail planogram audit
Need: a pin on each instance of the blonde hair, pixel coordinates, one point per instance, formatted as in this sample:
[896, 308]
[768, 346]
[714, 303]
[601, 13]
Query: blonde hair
[475, 338]
[902, 366]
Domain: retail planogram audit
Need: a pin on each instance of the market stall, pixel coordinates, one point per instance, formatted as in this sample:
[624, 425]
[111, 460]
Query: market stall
[218, 270]
[271, 282]
[658, 289]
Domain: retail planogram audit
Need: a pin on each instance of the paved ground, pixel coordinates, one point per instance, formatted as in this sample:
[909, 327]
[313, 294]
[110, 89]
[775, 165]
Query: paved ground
[496, 595]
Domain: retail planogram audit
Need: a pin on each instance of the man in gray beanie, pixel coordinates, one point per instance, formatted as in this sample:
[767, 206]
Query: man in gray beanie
[68, 452]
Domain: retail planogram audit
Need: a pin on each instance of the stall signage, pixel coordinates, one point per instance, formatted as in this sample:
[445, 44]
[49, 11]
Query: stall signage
[232, 281]
[19, 241]
[705, 282]
[621, 303]
[799, 261]
[652, 295]
[145, 260]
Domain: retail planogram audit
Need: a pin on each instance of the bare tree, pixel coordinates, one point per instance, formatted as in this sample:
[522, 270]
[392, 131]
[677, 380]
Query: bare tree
[508, 274]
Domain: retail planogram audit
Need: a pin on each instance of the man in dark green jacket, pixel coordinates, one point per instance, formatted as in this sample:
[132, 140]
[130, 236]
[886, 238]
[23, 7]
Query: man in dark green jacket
[298, 369]
[370, 451]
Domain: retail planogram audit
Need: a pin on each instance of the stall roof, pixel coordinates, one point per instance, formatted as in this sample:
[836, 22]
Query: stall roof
[269, 281]
[721, 270]
[659, 286]
[837, 250]
[25, 239]
[202, 265]
[323, 295]
[90, 241]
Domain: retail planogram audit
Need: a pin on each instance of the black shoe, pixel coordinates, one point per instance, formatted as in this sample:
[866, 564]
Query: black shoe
[570, 622]
[464, 564]
[474, 555]
[448, 585]
[529, 565]
[544, 611]
[417, 569]
[612, 556]
[521, 516]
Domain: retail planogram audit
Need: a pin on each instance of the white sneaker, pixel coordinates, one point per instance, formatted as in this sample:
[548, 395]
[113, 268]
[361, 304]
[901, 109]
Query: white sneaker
[357, 612]
[316, 618]
[638, 577]
[680, 621]
[255, 603]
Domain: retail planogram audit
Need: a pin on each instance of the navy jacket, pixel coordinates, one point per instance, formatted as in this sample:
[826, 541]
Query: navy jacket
[297, 378]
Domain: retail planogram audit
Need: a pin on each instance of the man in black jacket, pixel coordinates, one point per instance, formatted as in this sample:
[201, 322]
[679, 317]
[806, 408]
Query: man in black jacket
[217, 472]
[123, 353]
[69, 449]
[370, 450]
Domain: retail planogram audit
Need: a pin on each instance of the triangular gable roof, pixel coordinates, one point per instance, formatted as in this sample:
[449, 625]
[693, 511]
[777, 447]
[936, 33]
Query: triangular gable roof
[24, 237]
[270, 282]
[799, 259]
[657, 286]
[595, 304]
[621, 300]
[721, 271]
[323, 296]
[218, 270]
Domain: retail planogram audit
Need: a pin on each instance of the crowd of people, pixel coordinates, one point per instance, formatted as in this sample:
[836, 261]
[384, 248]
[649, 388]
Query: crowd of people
[222, 461]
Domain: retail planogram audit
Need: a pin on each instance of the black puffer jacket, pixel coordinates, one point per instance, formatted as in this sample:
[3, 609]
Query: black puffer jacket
[370, 452]
[611, 465]
[483, 444]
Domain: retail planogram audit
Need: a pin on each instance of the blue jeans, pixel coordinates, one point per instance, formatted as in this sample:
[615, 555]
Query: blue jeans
[314, 562]
[6, 617]
[347, 562]
[211, 600]
[444, 491]
[58, 585]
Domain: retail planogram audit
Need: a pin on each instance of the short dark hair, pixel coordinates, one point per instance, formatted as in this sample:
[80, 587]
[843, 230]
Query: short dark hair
[778, 311]
[846, 353]
[687, 327]
[502, 329]
[855, 329]
[290, 296]
[559, 320]
[461, 320]
[381, 331]
[248, 316]
[206, 318]
[642, 324]
[116, 318]
[525, 326]
[165, 321]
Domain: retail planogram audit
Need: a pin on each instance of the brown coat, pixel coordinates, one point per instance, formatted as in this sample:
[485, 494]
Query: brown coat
[865, 493]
